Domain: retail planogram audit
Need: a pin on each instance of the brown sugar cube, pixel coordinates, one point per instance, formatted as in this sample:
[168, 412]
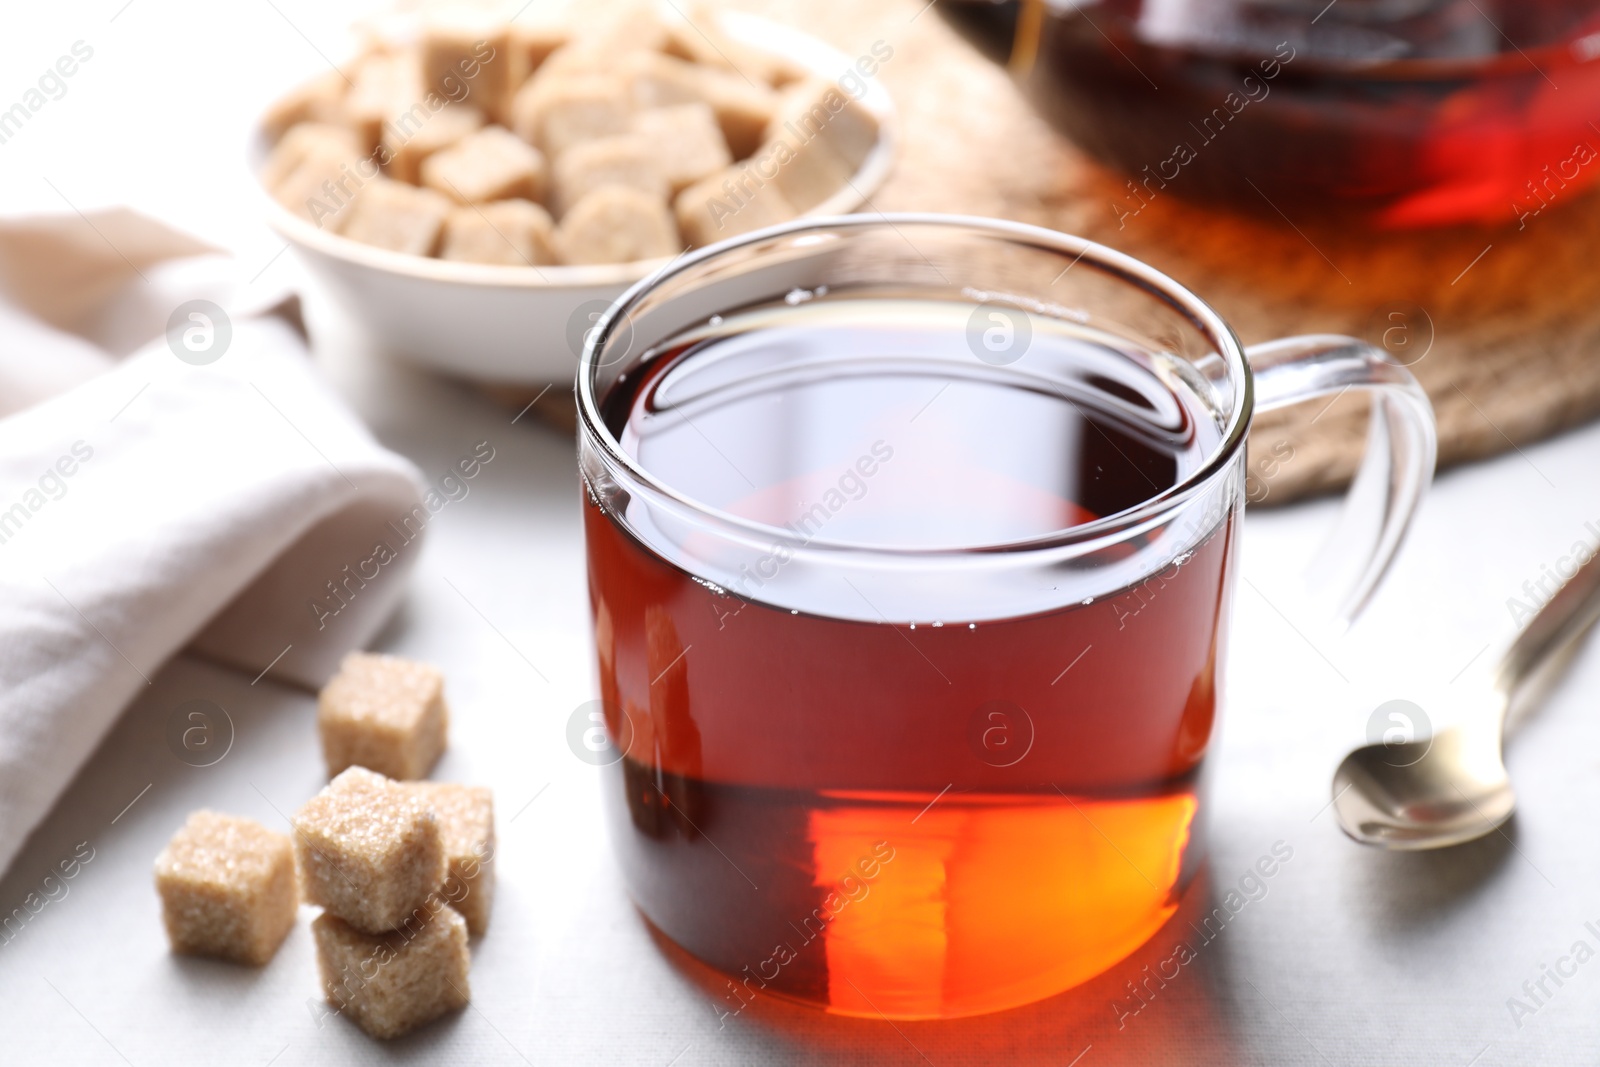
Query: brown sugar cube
[301, 141]
[633, 27]
[743, 110]
[657, 80]
[531, 43]
[384, 713]
[512, 233]
[615, 224]
[401, 218]
[685, 141]
[413, 135]
[491, 164]
[528, 45]
[466, 823]
[556, 111]
[227, 888]
[466, 57]
[389, 983]
[819, 110]
[383, 84]
[368, 849]
[556, 52]
[806, 172]
[319, 100]
[628, 160]
[732, 202]
[322, 187]
[578, 57]
[696, 37]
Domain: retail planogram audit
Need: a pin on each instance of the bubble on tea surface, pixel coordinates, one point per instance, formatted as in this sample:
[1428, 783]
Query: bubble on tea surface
[585, 321]
[591, 741]
[1399, 726]
[1000, 733]
[199, 332]
[999, 334]
[199, 732]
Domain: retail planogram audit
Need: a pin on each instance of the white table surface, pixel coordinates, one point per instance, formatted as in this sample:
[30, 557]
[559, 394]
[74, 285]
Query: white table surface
[1352, 957]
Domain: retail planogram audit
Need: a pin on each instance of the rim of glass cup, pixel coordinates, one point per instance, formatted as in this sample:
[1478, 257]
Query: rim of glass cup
[1196, 311]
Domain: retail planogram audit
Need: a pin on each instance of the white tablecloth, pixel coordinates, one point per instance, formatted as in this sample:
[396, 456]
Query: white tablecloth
[1352, 956]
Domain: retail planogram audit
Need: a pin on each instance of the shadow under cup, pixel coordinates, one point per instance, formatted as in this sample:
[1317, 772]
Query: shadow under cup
[936, 747]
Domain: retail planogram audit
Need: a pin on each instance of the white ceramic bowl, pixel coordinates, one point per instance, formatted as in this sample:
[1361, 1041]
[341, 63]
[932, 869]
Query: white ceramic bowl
[525, 325]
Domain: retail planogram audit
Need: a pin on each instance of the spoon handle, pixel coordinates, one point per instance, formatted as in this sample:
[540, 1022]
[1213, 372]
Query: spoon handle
[1564, 617]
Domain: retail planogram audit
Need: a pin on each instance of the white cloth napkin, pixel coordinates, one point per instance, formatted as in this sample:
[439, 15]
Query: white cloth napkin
[149, 505]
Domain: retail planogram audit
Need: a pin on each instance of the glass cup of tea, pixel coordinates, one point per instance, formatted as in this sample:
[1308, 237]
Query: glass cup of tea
[911, 543]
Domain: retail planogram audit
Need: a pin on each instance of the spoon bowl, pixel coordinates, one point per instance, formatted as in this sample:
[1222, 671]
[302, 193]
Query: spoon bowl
[1442, 791]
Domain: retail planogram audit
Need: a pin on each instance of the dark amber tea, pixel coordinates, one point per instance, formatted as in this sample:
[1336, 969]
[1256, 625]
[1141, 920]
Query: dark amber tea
[920, 815]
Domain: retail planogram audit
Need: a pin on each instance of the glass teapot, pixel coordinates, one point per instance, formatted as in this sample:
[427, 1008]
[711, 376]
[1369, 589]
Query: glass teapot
[1399, 113]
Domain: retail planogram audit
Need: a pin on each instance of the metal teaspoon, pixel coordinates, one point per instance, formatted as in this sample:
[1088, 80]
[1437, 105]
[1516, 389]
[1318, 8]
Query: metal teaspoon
[1454, 788]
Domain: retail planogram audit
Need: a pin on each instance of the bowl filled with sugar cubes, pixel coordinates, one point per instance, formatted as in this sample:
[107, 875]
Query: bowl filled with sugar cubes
[475, 190]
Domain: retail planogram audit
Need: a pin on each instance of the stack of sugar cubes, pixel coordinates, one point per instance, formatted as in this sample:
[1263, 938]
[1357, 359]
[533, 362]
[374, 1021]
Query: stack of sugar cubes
[403, 869]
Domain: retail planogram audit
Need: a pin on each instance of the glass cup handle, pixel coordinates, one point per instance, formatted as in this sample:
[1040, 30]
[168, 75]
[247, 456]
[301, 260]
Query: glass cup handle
[1402, 445]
